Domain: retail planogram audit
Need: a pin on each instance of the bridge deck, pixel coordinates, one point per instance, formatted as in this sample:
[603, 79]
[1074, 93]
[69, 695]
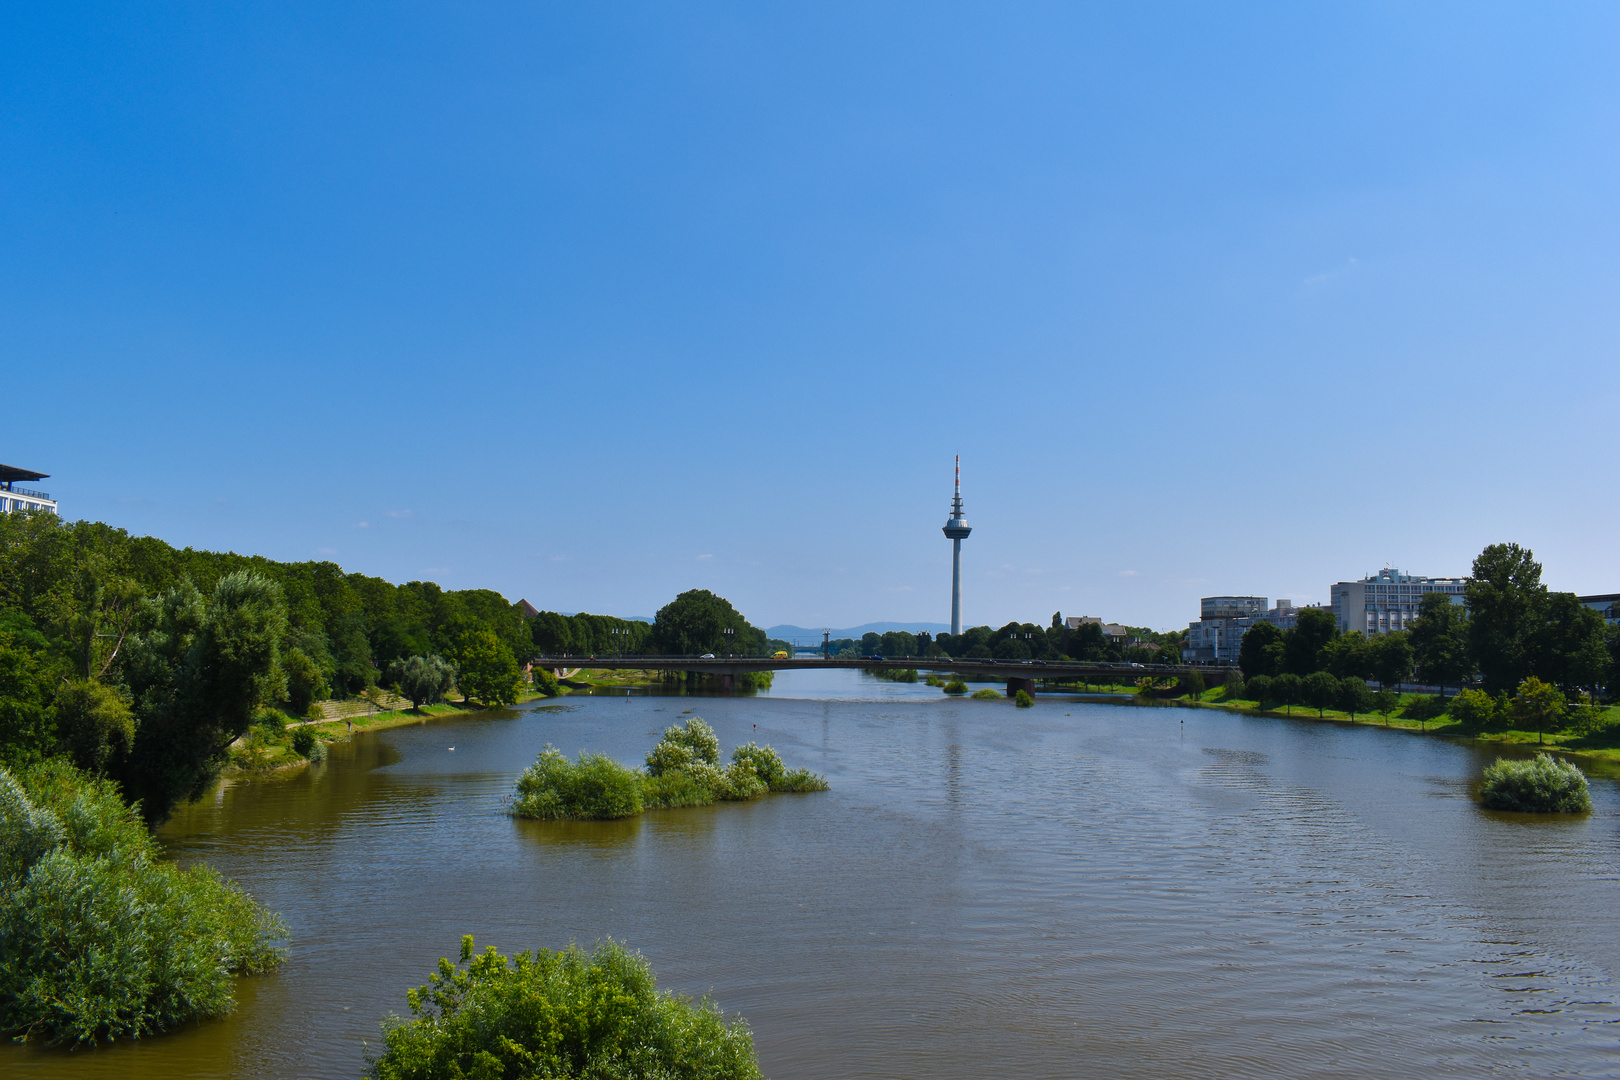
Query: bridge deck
[981, 667]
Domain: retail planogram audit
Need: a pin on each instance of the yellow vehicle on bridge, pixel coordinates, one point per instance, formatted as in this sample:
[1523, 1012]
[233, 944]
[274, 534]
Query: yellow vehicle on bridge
[780, 654]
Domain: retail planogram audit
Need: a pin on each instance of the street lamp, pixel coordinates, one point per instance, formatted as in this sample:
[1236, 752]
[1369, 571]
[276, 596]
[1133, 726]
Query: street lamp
[728, 631]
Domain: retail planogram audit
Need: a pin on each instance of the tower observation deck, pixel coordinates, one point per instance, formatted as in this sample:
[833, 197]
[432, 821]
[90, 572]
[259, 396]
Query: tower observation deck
[956, 530]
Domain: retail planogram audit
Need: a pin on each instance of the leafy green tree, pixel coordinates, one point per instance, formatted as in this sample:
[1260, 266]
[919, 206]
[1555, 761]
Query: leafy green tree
[28, 675]
[94, 724]
[1355, 696]
[1321, 690]
[1569, 649]
[1475, 709]
[1391, 656]
[356, 668]
[1288, 690]
[1349, 656]
[1259, 689]
[306, 682]
[1538, 706]
[487, 672]
[1440, 641]
[1506, 605]
[197, 672]
[423, 679]
[545, 682]
[1261, 651]
[1386, 701]
[1192, 684]
[696, 622]
[1303, 644]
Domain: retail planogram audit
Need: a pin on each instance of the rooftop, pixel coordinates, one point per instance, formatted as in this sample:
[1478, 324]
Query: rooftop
[8, 473]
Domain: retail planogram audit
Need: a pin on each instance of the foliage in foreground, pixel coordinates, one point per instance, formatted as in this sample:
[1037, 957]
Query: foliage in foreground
[682, 770]
[98, 937]
[1542, 785]
[566, 1013]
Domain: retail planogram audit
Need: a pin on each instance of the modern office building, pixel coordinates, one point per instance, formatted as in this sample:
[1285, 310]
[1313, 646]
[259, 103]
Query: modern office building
[1387, 600]
[1607, 605]
[1217, 635]
[14, 497]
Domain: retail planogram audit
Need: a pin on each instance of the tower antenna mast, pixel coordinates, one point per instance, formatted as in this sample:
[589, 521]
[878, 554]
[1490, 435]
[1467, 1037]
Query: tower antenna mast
[956, 530]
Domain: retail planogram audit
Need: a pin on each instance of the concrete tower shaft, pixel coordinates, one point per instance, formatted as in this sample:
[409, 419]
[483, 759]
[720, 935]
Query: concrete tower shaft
[956, 530]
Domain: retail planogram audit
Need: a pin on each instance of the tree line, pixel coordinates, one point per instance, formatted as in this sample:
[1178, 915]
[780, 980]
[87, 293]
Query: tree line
[1509, 628]
[1018, 641]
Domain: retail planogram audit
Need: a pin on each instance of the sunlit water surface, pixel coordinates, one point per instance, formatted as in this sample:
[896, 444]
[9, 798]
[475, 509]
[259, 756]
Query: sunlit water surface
[1069, 890]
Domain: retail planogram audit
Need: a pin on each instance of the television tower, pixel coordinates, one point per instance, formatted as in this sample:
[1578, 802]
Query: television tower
[957, 528]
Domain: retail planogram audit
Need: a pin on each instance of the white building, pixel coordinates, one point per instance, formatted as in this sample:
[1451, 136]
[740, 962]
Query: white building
[1387, 600]
[1217, 635]
[13, 497]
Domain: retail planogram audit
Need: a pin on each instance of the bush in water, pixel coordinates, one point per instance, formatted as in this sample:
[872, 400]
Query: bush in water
[956, 686]
[987, 694]
[683, 770]
[559, 1014]
[594, 787]
[99, 938]
[1023, 699]
[1542, 785]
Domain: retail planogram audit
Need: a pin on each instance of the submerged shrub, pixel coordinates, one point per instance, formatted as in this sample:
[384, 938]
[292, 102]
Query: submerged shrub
[1022, 699]
[682, 770]
[566, 1013]
[99, 938]
[987, 694]
[1542, 785]
[595, 787]
[956, 686]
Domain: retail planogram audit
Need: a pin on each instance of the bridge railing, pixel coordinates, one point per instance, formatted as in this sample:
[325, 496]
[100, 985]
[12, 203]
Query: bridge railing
[976, 662]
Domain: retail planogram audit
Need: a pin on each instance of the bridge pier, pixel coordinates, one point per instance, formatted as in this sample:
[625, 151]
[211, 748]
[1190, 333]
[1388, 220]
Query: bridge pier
[725, 683]
[1015, 685]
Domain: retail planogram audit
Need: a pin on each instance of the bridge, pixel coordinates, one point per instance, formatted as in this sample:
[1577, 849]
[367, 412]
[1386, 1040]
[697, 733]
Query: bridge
[1019, 674]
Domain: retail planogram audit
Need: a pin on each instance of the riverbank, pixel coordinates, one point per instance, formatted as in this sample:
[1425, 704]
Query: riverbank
[264, 751]
[1601, 747]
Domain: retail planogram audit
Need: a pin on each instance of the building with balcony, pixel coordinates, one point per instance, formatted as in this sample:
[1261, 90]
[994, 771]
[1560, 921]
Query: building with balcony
[1387, 600]
[13, 496]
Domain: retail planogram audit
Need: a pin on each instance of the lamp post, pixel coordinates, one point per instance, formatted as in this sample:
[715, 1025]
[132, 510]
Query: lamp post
[728, 631]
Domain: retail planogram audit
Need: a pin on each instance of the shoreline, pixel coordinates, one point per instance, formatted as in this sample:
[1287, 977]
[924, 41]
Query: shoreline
[1444, 727]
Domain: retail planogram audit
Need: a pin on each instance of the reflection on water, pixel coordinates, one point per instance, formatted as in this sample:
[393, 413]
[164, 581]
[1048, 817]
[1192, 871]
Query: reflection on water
[1072, 889]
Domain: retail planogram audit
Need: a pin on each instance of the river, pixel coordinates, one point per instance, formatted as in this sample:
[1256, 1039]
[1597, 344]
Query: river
[1068, 890]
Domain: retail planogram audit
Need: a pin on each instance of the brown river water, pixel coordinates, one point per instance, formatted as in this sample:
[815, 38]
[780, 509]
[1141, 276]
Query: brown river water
[1071, 890]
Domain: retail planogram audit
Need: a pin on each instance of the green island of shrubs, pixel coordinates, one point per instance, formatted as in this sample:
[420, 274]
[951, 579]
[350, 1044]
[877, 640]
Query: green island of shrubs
[682, 770]
[1542, 785]
[99, 937]
[560, 1014]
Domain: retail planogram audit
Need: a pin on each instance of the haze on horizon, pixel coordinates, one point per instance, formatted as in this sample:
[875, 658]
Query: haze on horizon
[592, 305]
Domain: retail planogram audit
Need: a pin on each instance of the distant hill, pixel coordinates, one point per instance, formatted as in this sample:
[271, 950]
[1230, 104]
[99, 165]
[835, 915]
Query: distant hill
[805, 635]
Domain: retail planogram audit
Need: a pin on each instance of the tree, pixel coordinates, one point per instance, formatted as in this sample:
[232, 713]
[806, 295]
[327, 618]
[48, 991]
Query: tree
[1569, 649]
[1193, 685]
[1440, 641]
[1474, 709]
[306, 683]
[197, 672]
[424, 679]
[1355, 696]
[1386, 701]
[1349, 656]
[27, 675]
[1538, 705]
[1506, 601]
[1261, 650]
[1320, 689]
[487, 672]
[93, 723]
[696, 622]
[1391, 656]
[1303, 645]
[1288, 689]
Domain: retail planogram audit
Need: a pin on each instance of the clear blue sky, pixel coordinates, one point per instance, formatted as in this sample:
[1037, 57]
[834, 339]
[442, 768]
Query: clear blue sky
[593, 303]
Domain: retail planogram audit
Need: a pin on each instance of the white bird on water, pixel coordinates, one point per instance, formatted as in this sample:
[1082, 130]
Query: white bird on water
[449, 748]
